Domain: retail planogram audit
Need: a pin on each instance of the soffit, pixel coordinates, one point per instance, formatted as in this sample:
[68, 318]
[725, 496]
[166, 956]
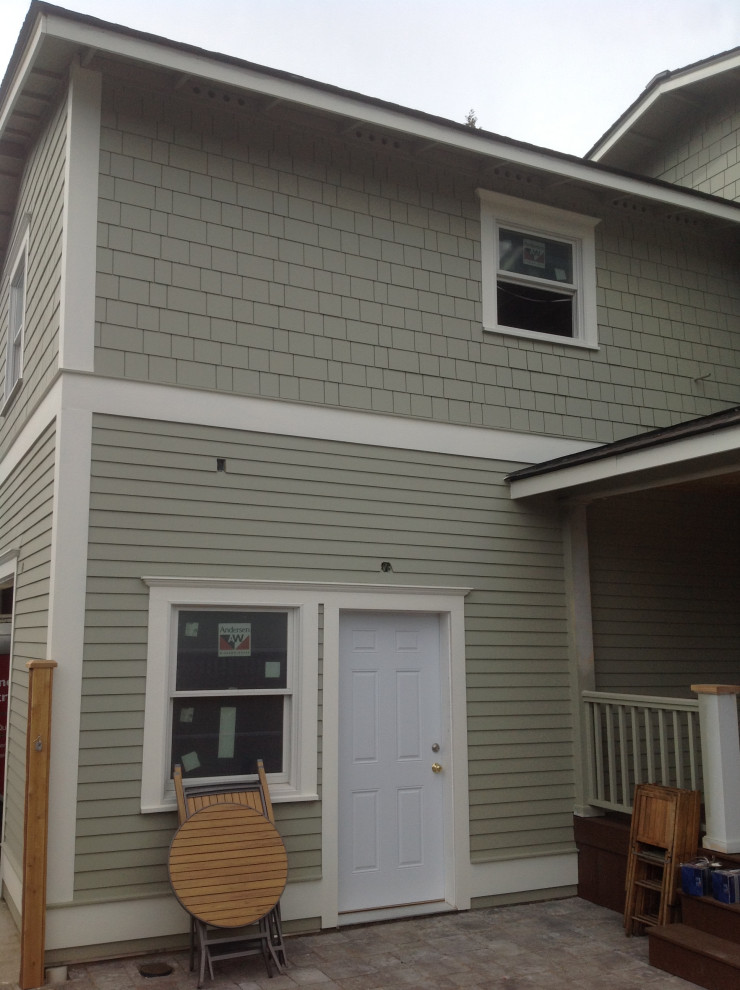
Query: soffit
[52, 38]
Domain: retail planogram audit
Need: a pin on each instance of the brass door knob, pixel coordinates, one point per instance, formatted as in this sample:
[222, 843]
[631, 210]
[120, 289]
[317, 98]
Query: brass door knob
[436, 768]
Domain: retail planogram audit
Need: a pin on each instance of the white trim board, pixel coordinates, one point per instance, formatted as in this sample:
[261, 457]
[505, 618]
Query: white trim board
[118, 397]
[141, 918]
[515, 876]
[149, 917]
[80, 223]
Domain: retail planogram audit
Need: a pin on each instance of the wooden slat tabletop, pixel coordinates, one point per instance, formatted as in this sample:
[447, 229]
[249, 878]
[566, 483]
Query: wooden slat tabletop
[228, 865]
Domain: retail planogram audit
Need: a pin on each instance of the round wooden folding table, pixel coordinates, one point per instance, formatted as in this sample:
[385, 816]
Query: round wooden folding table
[228, 868]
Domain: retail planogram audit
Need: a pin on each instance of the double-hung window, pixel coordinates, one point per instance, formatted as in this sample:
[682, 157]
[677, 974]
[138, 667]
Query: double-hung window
[231, 692]
[16, 327]
[232, 677]
[538, 269]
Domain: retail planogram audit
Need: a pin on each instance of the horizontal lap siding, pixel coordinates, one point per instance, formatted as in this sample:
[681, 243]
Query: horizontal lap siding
[42, 197]
[25, 526]
[321, 511]
[665, 577]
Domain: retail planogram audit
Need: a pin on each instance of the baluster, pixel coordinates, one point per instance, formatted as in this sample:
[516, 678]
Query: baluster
[636, 749]
[678, 749]
[649, 748]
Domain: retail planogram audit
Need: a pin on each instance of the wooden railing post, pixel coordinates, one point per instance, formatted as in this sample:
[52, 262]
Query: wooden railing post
[720, 748]
[36, 824]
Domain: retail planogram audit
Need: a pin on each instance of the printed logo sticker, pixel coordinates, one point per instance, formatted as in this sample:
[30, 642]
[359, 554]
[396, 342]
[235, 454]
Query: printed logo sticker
[235, 639]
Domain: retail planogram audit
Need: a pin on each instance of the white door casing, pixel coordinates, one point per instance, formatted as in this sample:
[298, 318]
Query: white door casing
[448, 604]
[391, 800]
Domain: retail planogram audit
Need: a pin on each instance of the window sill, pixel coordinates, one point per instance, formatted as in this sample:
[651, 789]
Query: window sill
[11, 397]
[279, 794]
[544, 338]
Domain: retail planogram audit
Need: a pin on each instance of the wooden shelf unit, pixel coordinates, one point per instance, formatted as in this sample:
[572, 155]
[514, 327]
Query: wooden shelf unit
[664, 833]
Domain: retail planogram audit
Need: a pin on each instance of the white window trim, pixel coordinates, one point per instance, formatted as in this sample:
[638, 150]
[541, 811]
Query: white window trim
[16, 341]
[497, 210]
[166, 595]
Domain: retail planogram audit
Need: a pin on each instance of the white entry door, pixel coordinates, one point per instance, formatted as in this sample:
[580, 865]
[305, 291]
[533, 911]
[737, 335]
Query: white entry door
[391, 815]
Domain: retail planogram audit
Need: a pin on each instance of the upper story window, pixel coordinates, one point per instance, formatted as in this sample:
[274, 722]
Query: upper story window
[16, 327]
[539, 271]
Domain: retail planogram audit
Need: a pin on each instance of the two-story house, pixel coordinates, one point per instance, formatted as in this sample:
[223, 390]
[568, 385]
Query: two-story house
[272, 353]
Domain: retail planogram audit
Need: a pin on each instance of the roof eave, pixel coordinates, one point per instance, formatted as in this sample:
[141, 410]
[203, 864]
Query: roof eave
[94, 35]
[699, 448]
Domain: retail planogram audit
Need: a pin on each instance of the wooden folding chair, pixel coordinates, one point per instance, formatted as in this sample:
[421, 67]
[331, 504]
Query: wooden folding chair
[251, 794]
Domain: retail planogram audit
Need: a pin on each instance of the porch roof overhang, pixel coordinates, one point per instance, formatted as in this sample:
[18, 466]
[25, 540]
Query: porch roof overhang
[702, 451]
[53, 37]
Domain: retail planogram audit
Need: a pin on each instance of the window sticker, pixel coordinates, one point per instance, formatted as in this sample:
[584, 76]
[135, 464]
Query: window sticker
[235, 639]
[190, 762]
[272, 669]
[533, 253]
[187, 714]
[227, 733]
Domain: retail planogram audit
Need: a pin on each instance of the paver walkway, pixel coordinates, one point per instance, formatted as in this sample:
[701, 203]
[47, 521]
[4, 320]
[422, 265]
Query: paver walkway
[560, 945]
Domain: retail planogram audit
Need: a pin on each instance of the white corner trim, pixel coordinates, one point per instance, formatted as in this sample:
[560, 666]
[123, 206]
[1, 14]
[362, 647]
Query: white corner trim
[66, 634]
[80, 218]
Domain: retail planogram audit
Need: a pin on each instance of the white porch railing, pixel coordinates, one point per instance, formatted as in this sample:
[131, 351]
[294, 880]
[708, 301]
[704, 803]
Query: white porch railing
[632, 739]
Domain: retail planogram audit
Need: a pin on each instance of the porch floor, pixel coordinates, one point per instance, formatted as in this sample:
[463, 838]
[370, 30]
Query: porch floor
[562, 945]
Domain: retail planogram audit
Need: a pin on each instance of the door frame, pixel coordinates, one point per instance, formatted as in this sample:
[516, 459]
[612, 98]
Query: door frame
[448, 604]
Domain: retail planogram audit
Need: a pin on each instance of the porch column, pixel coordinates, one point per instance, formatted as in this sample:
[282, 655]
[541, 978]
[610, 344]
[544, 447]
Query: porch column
[720, 749]
[581, 644]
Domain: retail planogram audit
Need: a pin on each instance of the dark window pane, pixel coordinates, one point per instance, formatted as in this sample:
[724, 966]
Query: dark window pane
[525, 308]
[218, 737]
[224, 650]
[540, 257]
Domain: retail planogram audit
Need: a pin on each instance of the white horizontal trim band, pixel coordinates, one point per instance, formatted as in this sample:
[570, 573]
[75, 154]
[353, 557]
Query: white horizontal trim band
[117, 397]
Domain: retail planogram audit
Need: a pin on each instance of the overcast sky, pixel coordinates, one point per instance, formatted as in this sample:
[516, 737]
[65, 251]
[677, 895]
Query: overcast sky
[556, 73]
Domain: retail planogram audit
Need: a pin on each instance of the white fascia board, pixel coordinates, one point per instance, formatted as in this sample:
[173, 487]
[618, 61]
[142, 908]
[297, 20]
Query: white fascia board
[22, 74]
[677, 80]
[619, 468]
[187, 63]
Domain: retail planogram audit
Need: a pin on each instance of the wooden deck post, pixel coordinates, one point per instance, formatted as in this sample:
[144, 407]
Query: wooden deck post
[36, 824]
[720, 747]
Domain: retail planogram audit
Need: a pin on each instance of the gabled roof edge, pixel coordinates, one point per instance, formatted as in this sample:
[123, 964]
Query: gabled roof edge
[649, 93]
